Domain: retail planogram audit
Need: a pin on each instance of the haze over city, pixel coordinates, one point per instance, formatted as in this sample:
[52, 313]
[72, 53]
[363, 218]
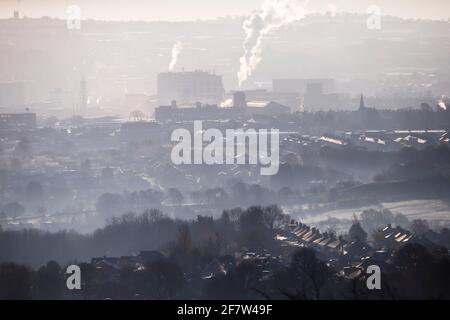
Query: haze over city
[202, 150]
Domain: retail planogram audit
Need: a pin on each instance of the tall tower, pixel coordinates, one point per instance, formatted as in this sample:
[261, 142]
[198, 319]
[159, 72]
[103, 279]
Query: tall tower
[83, 94]
[362, 106]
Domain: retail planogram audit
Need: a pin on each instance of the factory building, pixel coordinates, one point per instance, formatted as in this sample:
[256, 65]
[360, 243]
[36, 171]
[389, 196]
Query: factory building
[189, 88]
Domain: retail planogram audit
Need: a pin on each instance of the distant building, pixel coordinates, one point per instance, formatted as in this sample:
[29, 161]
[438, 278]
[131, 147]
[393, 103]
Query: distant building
[314, 89]
[300, 85]
[318, 94]
[241, 110]
[17, 121]
[239, 100]
[12, 94]
[268, 109]
[189, 88]
[289, 99]
[315, 98]
[198, 112]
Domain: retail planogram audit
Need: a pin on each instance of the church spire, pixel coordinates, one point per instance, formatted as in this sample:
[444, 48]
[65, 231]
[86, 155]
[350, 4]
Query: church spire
[361, 103]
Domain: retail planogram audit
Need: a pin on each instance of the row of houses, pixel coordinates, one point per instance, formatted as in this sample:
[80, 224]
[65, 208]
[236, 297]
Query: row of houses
[304, 235]
[373, 140]
[351, 258]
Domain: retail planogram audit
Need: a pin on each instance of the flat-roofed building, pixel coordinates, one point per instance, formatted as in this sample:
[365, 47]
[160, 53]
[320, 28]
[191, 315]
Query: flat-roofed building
[189, 88]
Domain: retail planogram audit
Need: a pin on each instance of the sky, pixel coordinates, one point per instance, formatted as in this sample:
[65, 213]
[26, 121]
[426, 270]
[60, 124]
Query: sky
[181, 10]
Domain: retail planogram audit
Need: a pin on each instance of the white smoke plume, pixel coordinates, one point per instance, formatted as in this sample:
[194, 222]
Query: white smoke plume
[272, 15]
[227, 103]
[177, 47]
[441, 103]
[332, 10]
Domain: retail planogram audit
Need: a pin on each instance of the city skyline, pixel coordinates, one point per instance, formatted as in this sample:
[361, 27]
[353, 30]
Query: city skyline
[176, 10]
[291, 150]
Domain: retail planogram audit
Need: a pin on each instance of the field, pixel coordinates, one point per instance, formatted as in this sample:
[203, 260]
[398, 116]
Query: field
[435, 211]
